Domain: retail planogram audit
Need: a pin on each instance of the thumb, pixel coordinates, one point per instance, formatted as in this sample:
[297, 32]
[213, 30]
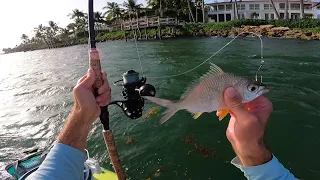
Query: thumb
[233, 100]
[89, 80]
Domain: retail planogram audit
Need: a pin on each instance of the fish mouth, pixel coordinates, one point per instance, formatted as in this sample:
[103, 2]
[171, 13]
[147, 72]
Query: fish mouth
[264, 90]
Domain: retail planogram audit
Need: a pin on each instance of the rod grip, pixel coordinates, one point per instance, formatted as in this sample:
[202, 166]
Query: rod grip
[113, 153]
[94, 61]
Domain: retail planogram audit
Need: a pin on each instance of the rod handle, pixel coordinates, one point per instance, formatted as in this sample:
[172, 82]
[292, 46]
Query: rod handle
[113, 153]
[94, 61]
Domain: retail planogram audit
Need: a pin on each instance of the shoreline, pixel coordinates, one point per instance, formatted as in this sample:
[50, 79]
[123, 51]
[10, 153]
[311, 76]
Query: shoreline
[191, 30]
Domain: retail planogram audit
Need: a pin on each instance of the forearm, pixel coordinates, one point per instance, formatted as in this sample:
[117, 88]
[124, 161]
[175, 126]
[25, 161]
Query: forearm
[76, 130]
[62, 162]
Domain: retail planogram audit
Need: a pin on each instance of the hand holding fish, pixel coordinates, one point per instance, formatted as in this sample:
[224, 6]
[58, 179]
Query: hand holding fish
[247, 126]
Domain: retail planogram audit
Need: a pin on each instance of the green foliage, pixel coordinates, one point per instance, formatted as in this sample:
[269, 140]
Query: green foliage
[304, 23]
[313, 30]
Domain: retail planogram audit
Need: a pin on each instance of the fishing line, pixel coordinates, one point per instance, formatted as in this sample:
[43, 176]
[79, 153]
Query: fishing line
[226, 45]
[135, 40]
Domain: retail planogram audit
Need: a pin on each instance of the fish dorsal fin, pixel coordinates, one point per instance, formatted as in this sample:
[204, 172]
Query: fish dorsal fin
[214, 70]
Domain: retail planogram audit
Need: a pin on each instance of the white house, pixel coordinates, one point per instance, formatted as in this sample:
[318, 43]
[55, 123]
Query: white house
[259, 9]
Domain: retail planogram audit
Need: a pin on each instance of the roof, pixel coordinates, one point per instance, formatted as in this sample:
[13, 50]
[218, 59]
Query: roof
[275, 1]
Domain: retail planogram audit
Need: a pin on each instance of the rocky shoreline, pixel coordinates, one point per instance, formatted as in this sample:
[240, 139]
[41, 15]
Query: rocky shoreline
[263, 30]
[266, 31]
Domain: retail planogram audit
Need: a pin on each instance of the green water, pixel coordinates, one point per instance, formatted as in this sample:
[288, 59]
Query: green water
[36, 96]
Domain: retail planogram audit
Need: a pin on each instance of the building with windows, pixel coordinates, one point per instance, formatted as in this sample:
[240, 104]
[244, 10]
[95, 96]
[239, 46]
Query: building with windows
[259, 9]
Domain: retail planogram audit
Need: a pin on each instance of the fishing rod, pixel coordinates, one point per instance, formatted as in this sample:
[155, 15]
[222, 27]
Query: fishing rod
[133, 89]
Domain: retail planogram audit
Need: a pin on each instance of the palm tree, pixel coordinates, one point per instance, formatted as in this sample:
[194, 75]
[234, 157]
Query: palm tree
[286, 9]
[274, 8]
[72, 27]
[76, 14]
[203, 11]
[54, 27]
[112, 10]
[24, 38]
[302, 9]
[190, 10]
[98, 17]
[132, 7]
[235, 9]
[40, 34]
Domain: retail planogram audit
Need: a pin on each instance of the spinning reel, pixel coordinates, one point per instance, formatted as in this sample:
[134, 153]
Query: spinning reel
[133, 89]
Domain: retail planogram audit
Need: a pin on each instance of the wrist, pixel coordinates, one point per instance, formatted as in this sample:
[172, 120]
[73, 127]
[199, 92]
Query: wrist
[85, 117]
[254, 155]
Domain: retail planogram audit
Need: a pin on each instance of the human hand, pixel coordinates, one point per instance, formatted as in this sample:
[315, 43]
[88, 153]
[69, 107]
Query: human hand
[247, 127]
[85, 102]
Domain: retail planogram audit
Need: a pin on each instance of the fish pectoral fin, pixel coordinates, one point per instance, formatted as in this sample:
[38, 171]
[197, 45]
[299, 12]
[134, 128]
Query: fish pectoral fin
[222, 113]
[197, 115]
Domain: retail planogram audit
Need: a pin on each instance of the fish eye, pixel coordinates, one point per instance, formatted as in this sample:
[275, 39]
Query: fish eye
[253, 87]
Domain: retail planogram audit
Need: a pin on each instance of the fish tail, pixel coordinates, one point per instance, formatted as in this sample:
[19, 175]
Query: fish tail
[173, 107]
[167, 116]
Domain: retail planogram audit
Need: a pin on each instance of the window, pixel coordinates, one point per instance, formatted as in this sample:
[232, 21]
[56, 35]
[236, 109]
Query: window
[281, 15]
[254, 6]
[308, 7]
[241, 7]
[221, 17]
[282, 6]
[308, 16]
[295, 7]
[255, 15]
[266, 16]
[272, 16]
[228, 7]
[221, 7]
[228, 17]
[241, 16]
[295, 15]
[267, 6]
[215, 8]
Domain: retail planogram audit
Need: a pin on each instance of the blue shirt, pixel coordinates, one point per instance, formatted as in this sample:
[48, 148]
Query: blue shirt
[65, 162]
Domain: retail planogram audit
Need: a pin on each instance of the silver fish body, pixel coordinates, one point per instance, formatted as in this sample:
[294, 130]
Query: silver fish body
[207, 94]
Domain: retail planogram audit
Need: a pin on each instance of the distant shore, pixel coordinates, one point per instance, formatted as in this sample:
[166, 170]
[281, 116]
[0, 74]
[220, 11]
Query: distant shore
[307, 29]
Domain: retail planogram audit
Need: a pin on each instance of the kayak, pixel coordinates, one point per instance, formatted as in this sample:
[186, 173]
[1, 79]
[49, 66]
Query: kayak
[24, 167]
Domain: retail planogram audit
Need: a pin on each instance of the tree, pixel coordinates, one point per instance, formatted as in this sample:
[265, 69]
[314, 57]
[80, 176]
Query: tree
[286, 9]
[132, 7]
[203, 13]
[274, 8]
[80, 19]
[72, 27]
[24, 38]
[40, 34]
[235, 9]
[112, 10]
[76, 14]
[190, 10]
[98, 17]
[302, 9]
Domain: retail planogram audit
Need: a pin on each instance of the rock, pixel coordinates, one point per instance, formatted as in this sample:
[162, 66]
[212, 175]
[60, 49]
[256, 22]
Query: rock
[270, 33]
[266, 26]
[280, 29]
[308, 33]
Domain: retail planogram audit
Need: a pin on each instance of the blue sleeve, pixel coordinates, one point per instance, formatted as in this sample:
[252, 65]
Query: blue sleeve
[62, 162]
[272, 170]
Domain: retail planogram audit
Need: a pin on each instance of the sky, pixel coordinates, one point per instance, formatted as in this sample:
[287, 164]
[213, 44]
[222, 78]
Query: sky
[19, 17]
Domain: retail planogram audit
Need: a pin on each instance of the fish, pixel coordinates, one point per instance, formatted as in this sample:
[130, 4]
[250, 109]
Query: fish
[206, 95]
